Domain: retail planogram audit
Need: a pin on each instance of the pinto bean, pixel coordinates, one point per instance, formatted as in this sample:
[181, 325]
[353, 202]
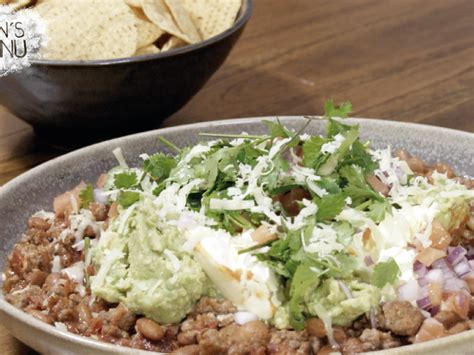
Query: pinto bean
[444, 169]
[377, 185]
[51, 280]
[315, 326]
[402, 318]
[37, 277]
[99, 210]
[150, 329]
[326, 350]
[339, 335]
[402, 154]
[38, 223]
[417, 165]
[290, 200]
[84, 314]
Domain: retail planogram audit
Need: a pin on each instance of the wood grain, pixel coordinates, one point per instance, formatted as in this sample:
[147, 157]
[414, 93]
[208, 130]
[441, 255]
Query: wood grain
[405, 60]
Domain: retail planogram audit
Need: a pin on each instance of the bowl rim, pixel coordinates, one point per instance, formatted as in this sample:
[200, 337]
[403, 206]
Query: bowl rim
[91, 343]
[242, 19]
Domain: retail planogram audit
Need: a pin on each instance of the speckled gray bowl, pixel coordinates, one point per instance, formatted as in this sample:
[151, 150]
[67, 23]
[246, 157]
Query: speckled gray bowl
[36, 189]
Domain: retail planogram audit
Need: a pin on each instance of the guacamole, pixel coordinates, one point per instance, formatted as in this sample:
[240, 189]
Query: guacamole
[140, 263]
[343, 310]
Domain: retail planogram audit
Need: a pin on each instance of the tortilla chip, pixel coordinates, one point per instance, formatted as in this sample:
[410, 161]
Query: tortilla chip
[134, 3]
[147, 31]
[16, 4]
[213, 16]
[183, 20]
[151, 49]
[158, 13]
[173, 42]
[88, 30]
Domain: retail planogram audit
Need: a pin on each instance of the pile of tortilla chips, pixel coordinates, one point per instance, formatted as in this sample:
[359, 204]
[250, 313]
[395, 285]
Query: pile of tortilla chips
[106, 29]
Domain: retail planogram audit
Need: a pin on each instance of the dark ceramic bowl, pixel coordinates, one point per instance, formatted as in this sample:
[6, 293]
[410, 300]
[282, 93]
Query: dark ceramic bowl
[111, 97]
[36, 189]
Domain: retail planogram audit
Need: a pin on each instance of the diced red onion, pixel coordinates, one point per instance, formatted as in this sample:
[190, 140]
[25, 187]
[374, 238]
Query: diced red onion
[470, 254]
[186, 221]
[408, 291]
[471, 262]
[434, 276]
[425, 314]
[434, 310]
[373, 319]
[424, 303]
[423, 282]
[345, 289]
[440, 264]
[368, 260]
[454, 284]
[462, 268]
[462, 299]
[455, 255]
[419, 269]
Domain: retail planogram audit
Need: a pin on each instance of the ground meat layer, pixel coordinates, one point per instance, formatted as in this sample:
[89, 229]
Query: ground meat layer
[31, 284]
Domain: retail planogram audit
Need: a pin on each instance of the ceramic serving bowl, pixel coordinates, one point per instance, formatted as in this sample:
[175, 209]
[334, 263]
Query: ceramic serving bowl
[36, 189]
[106, 98]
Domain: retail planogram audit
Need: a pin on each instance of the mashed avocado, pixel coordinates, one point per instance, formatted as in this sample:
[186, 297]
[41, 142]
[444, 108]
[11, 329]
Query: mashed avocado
[140, 263]
[342, 310]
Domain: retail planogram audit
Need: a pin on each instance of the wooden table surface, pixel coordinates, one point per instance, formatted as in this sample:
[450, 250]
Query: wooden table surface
[405, 60]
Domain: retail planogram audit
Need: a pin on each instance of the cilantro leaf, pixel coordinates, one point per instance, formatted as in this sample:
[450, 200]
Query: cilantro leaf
[329, 184]
[125, 180]
[276, 129]
[359, 156]
[312, 156]
[385, 272]
[378, 209]
[304, 281]
[128, 198]
[357, 188]
[86, 196]
[159, 166]
[342, 111]
[331, 164]
[335, 127]
[344, 265]
[329, 206]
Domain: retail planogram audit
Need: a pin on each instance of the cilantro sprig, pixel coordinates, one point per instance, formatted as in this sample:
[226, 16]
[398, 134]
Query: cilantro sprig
[86, 196]
[385, 272]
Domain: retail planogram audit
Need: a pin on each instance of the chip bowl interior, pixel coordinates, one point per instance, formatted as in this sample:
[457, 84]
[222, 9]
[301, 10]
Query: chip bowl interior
[108, 98]
[35, 190]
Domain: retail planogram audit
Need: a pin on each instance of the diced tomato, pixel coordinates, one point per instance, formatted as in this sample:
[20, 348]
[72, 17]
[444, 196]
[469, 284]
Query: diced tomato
[435, 293]
[101, 181]
[64, 201]
[262, 235]
[429, 330]
[440, 238]
[458, 302]
[429, 255]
